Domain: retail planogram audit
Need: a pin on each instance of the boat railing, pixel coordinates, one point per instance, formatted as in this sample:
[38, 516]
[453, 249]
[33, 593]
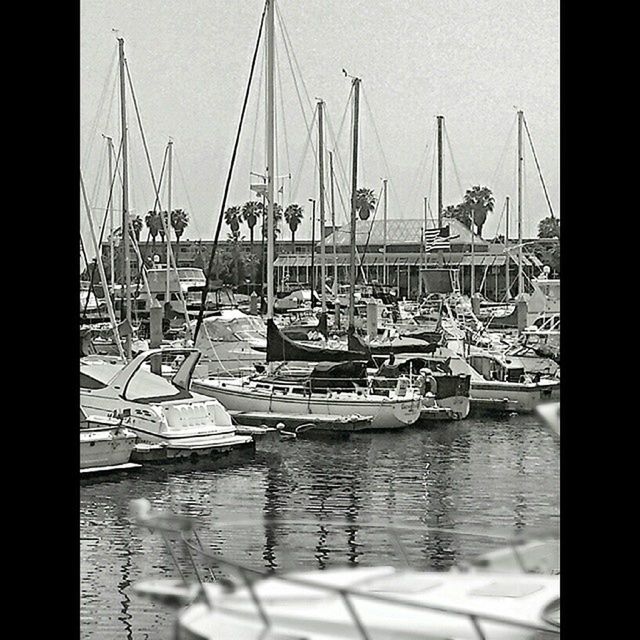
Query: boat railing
[193, 548]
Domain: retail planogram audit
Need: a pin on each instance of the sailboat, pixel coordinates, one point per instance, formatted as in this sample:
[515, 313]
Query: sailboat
[340, 389]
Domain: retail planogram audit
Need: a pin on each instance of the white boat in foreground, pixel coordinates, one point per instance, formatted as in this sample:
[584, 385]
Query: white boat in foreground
[169, 419]
[372, 603]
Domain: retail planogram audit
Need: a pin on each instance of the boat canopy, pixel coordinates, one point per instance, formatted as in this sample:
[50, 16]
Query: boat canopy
[334, 375]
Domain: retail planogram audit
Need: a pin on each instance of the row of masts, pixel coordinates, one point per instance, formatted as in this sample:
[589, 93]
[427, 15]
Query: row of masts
[270, 192]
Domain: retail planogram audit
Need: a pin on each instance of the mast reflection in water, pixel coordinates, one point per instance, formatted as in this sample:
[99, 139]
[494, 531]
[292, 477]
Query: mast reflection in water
[472, 475]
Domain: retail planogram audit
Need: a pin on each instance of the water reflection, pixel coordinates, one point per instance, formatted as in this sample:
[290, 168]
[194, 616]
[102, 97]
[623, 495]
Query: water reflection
[470, 474]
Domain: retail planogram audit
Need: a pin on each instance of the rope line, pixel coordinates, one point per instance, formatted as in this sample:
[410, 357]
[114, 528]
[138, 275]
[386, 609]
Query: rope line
[535, 157]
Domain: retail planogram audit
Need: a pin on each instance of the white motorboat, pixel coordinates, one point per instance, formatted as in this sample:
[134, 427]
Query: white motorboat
[380, 602]
[323, 390]
[105, 444]
[169, 419]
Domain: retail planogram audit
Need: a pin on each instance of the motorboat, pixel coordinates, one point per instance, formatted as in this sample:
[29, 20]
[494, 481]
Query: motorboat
[105, 444]
[169, 419]
[325, 388]
[375, 602]
[498, 383]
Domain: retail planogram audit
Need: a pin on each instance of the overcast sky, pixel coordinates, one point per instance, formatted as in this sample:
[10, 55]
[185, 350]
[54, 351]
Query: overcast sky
[472, 61]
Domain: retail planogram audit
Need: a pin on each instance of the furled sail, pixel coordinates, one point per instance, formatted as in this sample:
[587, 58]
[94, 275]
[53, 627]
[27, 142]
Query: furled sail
[283, 349]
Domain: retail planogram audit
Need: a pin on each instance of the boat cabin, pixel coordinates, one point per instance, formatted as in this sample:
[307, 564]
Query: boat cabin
[493, 367]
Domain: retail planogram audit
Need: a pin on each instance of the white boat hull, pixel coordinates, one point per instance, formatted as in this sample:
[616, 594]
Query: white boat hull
[105, 447]
[387, 413]
[512, 396]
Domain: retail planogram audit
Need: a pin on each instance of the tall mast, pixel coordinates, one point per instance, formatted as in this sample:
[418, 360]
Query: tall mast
[323, 268]
[520, 162]
[125, 200]
[270, 148]
[440, 169]
[384, 253]
[473, 253]
[313, 251]
[354, 189]
[168, 229]
[112, 263]
[333, 226]
[506, 247]
[423, 248]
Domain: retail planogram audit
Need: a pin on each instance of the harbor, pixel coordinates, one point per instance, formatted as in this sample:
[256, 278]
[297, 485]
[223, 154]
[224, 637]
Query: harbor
[353, 433]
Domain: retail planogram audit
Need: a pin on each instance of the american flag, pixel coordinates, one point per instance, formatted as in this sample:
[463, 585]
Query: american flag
[437, 239]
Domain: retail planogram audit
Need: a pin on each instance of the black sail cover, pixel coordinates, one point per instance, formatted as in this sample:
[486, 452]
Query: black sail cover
[283, 349]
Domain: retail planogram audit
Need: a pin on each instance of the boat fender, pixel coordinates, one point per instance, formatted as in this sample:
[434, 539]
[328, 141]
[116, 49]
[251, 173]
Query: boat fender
[402, 386]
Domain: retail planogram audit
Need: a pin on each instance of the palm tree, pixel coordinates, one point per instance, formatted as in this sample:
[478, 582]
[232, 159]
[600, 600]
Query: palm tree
[232, 218]
[277, 217]
[162, 217]
[479, 202]
[251, 211]
[293, 214]
[136, 227]
[365, 203]
[152, 220]
[179, 222]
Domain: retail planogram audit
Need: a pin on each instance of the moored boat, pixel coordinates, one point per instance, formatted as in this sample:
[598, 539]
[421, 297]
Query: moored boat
[339, 389]
[169, 419]
[105, 444]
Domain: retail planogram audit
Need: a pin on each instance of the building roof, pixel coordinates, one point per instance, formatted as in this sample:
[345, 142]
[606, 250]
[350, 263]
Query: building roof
[398, 232]
[404, 259]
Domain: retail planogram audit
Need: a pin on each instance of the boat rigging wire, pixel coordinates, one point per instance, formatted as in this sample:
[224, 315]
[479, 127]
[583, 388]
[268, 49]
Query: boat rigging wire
[380, 148]
[186, 193]
[422, 163]
[255, 125]
[167, 227]
[284, 122]
[229, 175]
[93, 129]
[535, 157]
[308, 142]
[453, 162]
[504, 150]
[104, 220]
[103, 277]
[287, 41]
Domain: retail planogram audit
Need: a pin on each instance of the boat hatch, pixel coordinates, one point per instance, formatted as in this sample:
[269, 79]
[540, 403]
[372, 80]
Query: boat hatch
[506, 590]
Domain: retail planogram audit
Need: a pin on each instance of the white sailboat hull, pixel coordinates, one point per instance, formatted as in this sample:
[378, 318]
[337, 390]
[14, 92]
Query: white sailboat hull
[387, 413]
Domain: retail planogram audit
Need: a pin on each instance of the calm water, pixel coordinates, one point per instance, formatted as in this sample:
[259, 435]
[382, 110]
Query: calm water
[473, 474]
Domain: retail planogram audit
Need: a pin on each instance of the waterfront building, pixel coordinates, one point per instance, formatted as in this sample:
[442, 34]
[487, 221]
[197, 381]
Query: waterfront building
[401, 268]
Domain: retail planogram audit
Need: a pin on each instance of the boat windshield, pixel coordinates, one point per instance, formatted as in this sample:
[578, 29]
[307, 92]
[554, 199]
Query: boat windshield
[246, 328]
